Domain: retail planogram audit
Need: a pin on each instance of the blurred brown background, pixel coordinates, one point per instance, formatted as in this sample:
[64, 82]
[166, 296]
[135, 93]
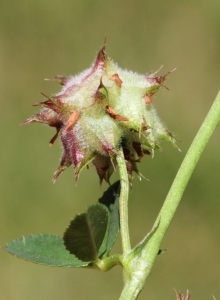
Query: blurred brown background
[40, 39]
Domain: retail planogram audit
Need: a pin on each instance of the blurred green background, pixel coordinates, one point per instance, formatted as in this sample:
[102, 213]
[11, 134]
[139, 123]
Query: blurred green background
[40, 39]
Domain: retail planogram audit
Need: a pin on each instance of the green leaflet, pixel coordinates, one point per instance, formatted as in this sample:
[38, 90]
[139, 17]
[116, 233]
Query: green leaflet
[45, 249]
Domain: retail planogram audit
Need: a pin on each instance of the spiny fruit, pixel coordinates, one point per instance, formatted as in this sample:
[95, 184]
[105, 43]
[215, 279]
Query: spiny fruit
[102, 109]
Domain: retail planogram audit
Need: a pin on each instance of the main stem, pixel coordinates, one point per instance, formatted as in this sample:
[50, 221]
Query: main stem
[123, 207]
[150, 251]
[126, 245]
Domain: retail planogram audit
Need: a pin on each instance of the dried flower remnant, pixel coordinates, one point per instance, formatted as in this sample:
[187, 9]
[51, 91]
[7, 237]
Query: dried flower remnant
[180, 296]
[100, 110]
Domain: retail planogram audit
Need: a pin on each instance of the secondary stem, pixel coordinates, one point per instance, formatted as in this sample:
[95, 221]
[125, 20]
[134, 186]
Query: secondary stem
[180, 182]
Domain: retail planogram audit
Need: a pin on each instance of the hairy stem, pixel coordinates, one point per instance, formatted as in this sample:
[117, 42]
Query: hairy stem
[126, 246]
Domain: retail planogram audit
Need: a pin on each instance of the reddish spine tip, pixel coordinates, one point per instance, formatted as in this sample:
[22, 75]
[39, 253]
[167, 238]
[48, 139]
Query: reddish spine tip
[117, 79]
[148, 99]
[110, 111]
[72, 119]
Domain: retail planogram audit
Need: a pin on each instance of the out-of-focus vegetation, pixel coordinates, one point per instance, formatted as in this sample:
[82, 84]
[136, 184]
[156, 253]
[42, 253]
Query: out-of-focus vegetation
[40, 39]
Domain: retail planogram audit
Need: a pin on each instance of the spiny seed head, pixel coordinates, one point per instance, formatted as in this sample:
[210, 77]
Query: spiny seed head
[98, 111]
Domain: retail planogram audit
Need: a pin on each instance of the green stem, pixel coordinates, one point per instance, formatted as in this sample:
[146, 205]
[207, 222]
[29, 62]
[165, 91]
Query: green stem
[126, 245]
[107, 263]
[149, 252]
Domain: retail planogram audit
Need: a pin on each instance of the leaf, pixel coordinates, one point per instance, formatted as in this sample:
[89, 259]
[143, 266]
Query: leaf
[114, 226]
[45, 249]
[98, 216]
[110, 199]
[86, 232]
